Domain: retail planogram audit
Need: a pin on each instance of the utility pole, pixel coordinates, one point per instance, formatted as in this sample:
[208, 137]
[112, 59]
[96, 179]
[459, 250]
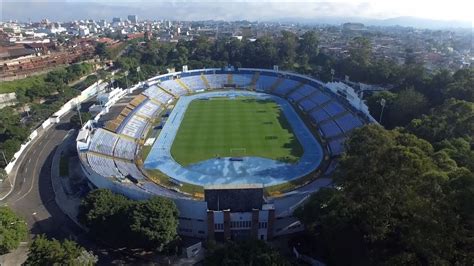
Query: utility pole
[126, 78]
[79, 112]
[382, 102]
[4, 158]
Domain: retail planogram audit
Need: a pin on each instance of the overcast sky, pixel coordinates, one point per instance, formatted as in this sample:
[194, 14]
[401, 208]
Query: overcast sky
[235, 10]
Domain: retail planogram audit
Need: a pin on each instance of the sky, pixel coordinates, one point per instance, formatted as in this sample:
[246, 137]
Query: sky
[460, 10]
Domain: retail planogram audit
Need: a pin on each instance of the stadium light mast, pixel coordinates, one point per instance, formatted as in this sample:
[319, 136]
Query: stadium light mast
[79, 113]
[4, 158]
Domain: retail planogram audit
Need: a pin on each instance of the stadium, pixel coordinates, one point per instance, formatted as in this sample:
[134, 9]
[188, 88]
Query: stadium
[237, 150]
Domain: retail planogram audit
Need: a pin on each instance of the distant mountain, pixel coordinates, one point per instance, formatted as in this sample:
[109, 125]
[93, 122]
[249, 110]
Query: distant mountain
[397, 21]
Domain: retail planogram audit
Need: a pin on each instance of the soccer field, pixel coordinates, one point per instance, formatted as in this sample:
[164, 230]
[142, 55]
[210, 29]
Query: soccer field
[223, 127]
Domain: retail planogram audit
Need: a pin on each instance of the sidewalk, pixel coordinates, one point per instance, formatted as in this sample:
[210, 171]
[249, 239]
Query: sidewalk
[69, 204]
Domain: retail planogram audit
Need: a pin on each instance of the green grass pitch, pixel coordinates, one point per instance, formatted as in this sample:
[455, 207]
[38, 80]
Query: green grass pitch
[223, 127]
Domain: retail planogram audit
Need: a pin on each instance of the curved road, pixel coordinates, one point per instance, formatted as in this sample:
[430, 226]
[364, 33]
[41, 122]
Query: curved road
[33, 196]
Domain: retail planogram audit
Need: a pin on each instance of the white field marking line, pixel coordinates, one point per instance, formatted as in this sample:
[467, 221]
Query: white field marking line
[34, 171]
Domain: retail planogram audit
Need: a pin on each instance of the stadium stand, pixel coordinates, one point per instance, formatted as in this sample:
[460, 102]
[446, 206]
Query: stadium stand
[242, 80]
[264, 83]
[173, 86]
[148, 109]
[102, 165]
[103, 141]
[127, 168]
[285, 86]
[330, 129]
[133, 127]
[319, 98]
[333, 108]
[216, 80]
[337, 146]
[348, 122]
[319, 115]
[157, 94]
[195, 83]
[125, 148]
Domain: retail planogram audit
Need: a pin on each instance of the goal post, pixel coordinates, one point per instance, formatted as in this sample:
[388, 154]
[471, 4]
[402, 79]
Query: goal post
[238, 152]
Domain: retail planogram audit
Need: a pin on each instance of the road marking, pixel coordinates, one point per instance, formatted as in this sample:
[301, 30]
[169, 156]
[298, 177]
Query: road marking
[34, 171]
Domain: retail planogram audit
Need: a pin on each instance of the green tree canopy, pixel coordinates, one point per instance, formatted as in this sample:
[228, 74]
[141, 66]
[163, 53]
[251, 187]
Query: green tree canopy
[12, 230]
[54, 252]
[146, 224]
[392, 193]
[250, 252]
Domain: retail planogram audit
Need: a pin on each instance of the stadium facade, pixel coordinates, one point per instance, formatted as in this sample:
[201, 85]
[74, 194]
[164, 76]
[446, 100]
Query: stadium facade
[109, 147]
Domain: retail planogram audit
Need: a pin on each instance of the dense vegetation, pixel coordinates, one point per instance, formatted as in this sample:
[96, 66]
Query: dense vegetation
[42, 96]
[13, 230]
[53, 252]
[249, 252]
[150, 224]
[397, 201]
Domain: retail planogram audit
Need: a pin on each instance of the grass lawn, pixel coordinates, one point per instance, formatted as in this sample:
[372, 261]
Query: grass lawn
[234, 127]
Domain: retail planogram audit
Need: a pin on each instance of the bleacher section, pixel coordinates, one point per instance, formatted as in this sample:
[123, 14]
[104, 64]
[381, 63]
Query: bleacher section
[173, 87]
[330, 129]
[103, 142]
[195, 83]
[337, 146]
[348, 122]
[133, 127]
[216, 81]
[131, 169]
[125, 149]
[148, 109]
[158, 94]
[333, 108]
[102, 165]
[265, 82]
[285, 86]
[242, 80]
[301, 93]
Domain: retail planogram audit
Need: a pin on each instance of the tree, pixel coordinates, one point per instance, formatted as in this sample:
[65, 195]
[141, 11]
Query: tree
[12, 230]
[250, 252]
[143, 224]
[101, 50]
[392, 192]
[154, 222]
[54, 252]
[407, 105]
[453, 119]
[76, 122]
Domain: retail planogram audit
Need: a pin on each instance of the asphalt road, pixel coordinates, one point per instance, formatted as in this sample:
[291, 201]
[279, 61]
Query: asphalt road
[33, 198]
[33, 195]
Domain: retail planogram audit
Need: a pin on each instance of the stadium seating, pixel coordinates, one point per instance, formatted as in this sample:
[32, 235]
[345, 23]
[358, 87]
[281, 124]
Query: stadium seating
[127, 168]
[330, 129]
[348, 122]
[103, 141]
[195, 83]
[285, 87]
[125, 149]
[302, 92]
[148, 109]
[133, 127]
[337, 146]
[174, 87]
[243, 80]
[103, 166]
[319, 98]
[307, 104]
[319, 115]
[157, 94]
[216, 80]
[333, 108]
[265, 82]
